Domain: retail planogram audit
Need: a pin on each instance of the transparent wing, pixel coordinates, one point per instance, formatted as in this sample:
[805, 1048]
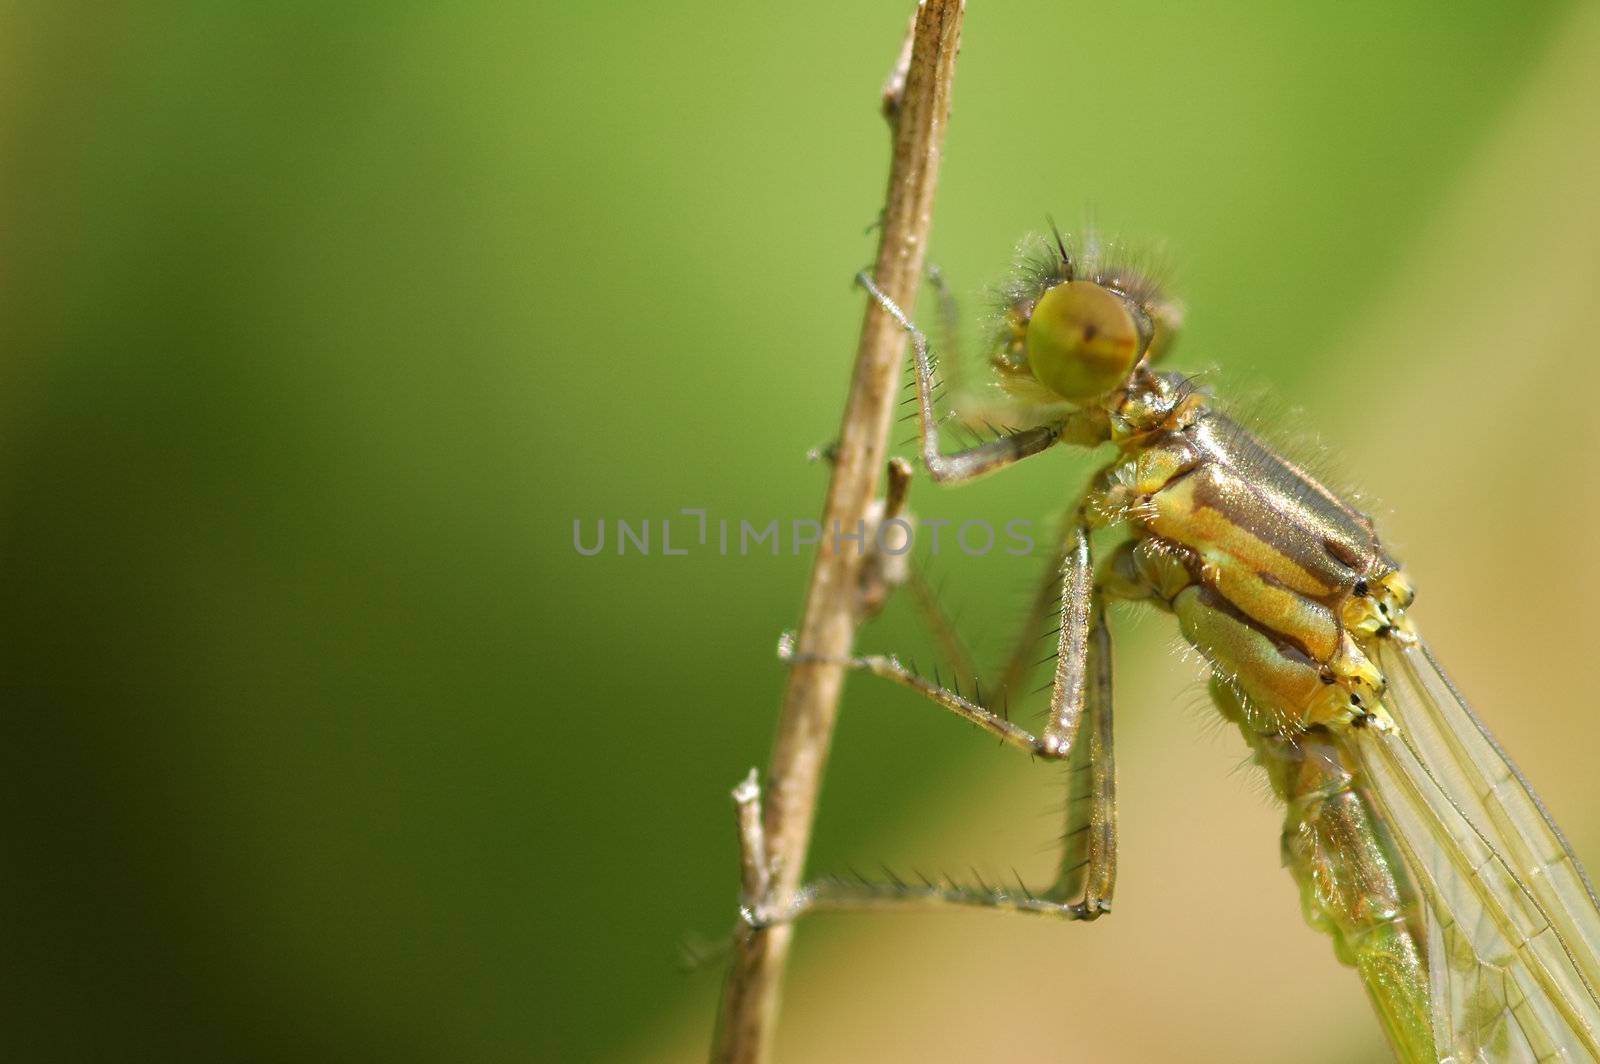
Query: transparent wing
[1513, 927]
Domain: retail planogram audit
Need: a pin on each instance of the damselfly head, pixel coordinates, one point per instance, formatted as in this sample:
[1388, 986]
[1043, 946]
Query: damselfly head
[1075, 327]
[1083, 339]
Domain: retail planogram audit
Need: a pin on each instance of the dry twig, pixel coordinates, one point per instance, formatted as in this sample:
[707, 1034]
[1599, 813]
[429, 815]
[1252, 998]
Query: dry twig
[917, 103]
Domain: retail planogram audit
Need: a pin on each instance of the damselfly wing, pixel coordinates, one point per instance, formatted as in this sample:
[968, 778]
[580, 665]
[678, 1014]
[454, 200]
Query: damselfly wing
[1511, 924]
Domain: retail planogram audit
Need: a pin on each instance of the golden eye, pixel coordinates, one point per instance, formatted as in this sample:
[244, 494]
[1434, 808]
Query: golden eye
[1083, 340]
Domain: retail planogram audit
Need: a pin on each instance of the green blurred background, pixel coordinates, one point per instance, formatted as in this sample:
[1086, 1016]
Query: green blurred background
[322, 323]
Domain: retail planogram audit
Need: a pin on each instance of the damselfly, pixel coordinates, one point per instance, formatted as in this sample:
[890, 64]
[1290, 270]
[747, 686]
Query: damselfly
[1416, 843]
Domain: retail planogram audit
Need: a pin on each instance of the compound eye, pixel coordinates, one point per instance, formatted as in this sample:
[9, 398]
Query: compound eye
[1083, 340]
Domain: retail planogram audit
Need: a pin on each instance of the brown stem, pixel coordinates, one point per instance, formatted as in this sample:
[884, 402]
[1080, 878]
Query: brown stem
[754, 867]
[917, 102]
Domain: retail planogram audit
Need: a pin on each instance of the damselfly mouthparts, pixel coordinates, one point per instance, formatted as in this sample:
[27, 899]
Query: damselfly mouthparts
[1416, 843]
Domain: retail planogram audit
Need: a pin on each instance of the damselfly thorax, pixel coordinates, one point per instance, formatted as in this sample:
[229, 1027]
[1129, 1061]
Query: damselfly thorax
[1284, 588]
[1272, 577]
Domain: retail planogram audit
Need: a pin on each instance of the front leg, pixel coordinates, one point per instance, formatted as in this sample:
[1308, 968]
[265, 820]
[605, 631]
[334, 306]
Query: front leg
[973, 462]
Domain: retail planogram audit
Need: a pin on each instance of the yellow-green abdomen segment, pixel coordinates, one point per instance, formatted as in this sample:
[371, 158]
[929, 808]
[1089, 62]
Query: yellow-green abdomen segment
[1353, 883]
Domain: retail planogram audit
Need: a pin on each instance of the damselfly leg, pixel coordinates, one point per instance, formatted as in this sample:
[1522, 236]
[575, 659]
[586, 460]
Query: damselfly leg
[1078, 729]
[1079, 732]
[976, 461]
